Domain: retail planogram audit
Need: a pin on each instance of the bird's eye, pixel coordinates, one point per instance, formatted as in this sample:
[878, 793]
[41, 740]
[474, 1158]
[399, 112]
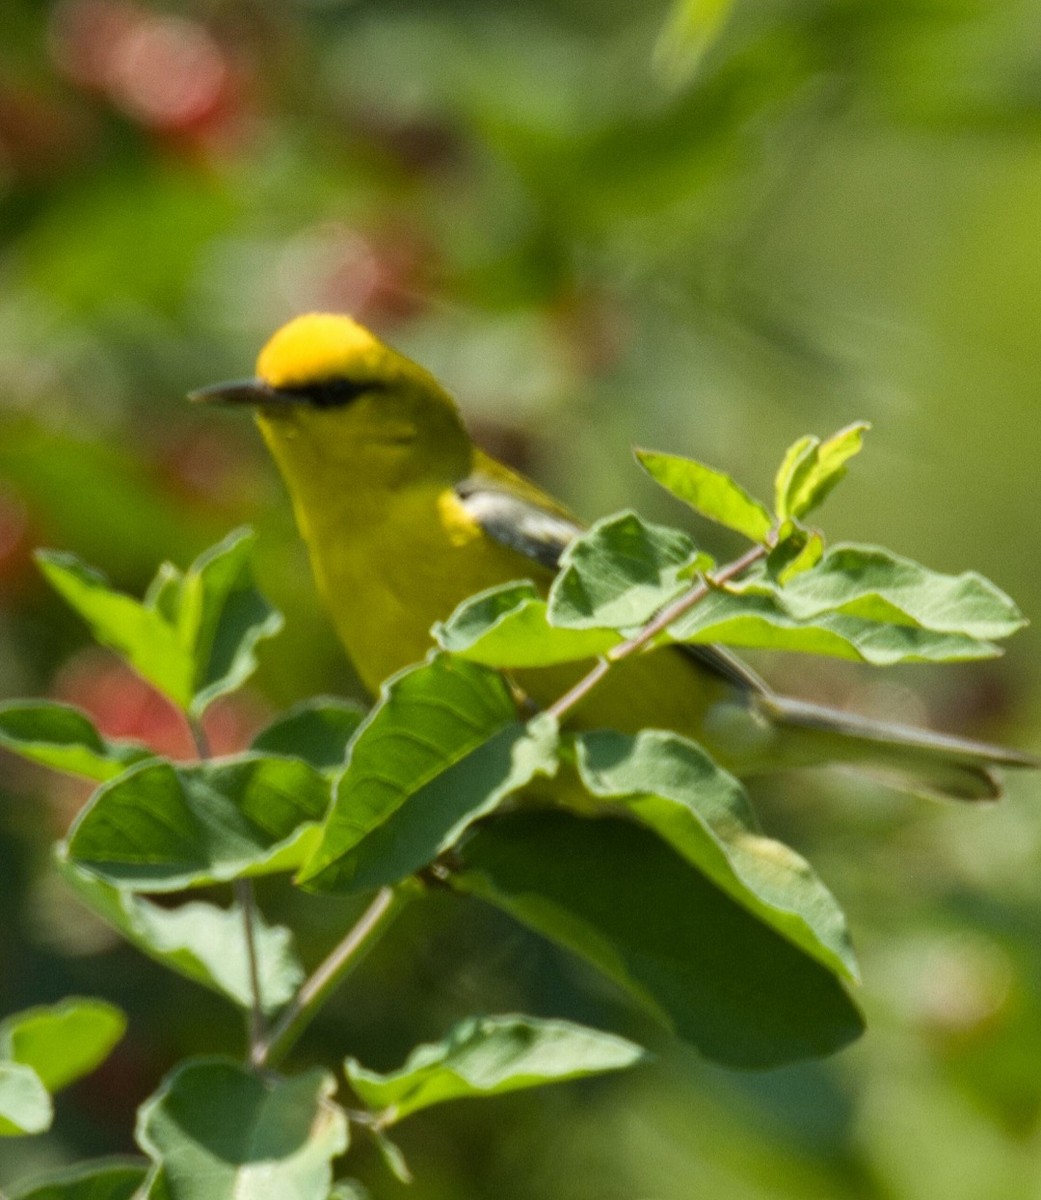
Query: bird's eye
[333, 393]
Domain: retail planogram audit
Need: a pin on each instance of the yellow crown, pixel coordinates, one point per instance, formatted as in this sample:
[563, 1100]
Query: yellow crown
[319, 346]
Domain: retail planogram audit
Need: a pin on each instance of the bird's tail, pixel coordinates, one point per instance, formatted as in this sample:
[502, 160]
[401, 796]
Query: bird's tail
[927, 763]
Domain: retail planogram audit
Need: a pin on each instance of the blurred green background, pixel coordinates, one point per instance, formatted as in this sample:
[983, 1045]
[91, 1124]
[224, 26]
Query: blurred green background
[708, 230]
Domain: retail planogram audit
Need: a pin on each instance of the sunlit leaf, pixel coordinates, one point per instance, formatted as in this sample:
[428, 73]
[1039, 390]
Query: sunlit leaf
[811, 468]
[617, 895]
[221, 1132]
[162, 828]
[759, 620]
[485, 1056]
[63, 738]
[194, 635]
[710, 492]
[140, 634]
[25, 1105]
[621, 572]
[441, 749]
[798, 551]
[674, 788]
[507, 626]
[876, 585]
[197, 939]
[62, 1041]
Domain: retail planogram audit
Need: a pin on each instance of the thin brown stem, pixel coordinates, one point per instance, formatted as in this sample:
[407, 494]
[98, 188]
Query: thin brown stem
[672, 612]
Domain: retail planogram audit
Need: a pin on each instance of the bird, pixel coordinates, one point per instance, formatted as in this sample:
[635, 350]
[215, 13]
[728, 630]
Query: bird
[404, 517]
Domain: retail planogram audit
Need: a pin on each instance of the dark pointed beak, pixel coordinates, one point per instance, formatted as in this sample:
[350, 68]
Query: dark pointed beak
[253, 392]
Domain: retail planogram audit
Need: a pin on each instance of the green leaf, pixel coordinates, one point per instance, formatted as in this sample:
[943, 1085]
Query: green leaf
[142, 635]
[507, 626]
[427, 718]
[709, 492]
[115, 1178]
[194, 635]
[317, 730]
[621, 572]
[759, 620]
[391, 1155]
[25, 1105]
[486, 1056]
[875, 585]
[441, 749]
[620, 897]
[797, 551]
[164, 828]
[434, 816]
[222, 617]
[796, 454]
[64, 1041]
[673, 787]
[811, 468]
[65, 739]
[220, 1132]
[197, 939]
[164, 592]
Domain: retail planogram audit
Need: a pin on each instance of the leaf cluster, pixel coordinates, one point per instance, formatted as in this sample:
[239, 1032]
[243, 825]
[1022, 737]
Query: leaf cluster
[662, 877]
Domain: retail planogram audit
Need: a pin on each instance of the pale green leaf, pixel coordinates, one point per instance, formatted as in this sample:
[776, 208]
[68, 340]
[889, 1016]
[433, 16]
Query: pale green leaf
[874, 584]
[220, 1132]
[63, 1041]
[508, 627]
[25, 1105]
[142, 635]
[759, 620]
[673, 787]
[65, 739]
[621, 572]
[486, 1056]
[797, 552]
[197, 939]
[164, 828]
[164, 592]
[796, 454]
[812, 468]
[710, 492]
[194, 635]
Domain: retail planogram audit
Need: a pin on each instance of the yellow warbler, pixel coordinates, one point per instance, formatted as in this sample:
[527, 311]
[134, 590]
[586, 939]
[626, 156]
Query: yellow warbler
[405, 517]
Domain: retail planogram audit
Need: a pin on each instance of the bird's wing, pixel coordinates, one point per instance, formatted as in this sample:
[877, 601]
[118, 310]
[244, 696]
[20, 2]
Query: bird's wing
[520, 518]
[518, 522]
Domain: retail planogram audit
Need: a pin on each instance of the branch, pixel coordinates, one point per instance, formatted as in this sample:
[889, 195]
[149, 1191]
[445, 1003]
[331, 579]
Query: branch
[671, 612]
[245, 897]
[301, 1010]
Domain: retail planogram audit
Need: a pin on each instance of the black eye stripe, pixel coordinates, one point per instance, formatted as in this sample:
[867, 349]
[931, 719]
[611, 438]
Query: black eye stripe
[333, 393]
